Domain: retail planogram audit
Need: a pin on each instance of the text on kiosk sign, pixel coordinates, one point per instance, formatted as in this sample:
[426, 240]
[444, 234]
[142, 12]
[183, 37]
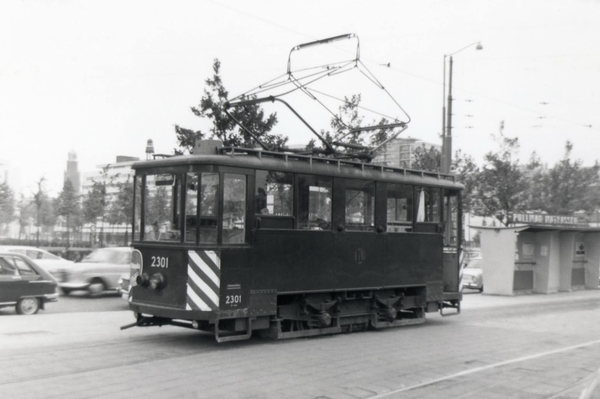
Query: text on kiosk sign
[543, 219]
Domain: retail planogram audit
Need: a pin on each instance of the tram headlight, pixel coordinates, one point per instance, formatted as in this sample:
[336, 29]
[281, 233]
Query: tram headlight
[158, 281]
[143, 280]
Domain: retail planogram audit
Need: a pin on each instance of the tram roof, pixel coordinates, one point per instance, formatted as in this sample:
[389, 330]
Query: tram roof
[289, 162]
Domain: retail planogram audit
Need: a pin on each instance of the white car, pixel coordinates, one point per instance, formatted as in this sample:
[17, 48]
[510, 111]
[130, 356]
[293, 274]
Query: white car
[98, 272]
[53, 264]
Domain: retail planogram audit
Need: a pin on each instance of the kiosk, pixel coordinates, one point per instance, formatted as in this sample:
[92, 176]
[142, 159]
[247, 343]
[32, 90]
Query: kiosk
[539, 257]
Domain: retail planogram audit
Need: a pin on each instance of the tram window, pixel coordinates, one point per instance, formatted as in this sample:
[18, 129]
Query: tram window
[191, 207]
[451, 218]
[162, 208]
[234, 209]
[428, 204]
[360, 205]
[399, 208]
[274, 193]
[137, 217]
[209, 189]
[314, 202]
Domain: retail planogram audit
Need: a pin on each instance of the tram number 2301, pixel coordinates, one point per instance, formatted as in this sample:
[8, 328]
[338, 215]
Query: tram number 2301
[160, 261]
[233, 300]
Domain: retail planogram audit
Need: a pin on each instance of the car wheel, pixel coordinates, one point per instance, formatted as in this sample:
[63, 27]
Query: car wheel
[28, 306]
[481, 289]
[65, 291]
[96, 287]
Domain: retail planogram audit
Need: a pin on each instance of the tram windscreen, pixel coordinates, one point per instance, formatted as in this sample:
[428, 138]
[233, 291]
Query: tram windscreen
[162, 208]
[234, 209]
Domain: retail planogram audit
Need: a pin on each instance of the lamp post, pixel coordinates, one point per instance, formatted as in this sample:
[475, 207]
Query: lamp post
[447, 114]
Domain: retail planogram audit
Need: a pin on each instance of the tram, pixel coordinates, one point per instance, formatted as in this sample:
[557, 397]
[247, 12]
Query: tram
[233, 240]
[293, 244]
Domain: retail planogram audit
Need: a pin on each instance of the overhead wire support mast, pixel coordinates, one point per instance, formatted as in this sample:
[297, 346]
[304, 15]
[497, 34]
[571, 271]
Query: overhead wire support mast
[301, 79]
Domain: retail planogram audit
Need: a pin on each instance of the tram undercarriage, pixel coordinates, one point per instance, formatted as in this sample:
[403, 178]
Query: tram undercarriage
[306, 315]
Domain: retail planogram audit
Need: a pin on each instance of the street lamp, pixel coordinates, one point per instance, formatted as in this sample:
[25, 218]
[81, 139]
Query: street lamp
[447, 122]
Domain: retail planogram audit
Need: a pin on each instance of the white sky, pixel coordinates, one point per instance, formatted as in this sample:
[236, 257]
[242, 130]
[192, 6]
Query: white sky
[100, 77]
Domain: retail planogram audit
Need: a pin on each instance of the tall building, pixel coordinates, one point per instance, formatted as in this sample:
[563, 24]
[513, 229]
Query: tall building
[72, 173]
[400, 152]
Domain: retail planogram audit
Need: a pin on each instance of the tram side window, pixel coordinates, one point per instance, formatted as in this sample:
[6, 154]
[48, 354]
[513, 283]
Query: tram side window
[162, 208]
[399, 208]
[428, 204]
[314, 202]
[209, 205]
[137, 217]
[274, 193]
[360, 205]
[234, 209]
[451, 217]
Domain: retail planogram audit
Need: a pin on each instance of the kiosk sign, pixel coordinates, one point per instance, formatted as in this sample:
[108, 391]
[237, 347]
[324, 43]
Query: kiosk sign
[537, 218]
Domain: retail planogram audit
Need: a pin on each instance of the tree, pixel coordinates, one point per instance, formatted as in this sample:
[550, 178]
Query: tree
[566, 188]
[44, 211]
[67, 205]
[426, 159]
[467, 173]
[7, 206]
[502, 184]
[121, 209]
[212, 106]
[26, 213]
[356, 143]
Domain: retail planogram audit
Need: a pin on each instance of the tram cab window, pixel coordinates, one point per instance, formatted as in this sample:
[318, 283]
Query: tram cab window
[360, 205]
[428, 204]
[162, 208]
[234, 209]
[137, 217]
[314, 202]
[274, 193]
[399, 208]
[209, 205]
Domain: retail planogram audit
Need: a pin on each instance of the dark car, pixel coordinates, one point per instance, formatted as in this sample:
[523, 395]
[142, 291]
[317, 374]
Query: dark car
[24, 284]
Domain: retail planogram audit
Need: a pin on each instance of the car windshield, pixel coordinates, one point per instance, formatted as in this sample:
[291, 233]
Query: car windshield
[107, 256]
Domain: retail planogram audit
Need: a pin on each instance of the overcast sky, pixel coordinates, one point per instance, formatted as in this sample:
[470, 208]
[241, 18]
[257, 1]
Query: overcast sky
[101, 77]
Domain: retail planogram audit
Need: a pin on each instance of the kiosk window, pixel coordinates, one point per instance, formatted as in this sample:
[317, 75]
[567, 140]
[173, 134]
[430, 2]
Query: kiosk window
[314, 202]
[399, 208]
[360, 205]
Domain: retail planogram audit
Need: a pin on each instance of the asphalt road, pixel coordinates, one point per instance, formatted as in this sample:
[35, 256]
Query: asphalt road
[539, 346]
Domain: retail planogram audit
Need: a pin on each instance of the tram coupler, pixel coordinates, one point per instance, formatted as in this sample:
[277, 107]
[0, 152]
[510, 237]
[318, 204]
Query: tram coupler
[143, 321]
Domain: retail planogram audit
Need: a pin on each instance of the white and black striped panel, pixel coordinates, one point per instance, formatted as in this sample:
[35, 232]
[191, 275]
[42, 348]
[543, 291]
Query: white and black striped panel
[204, 280]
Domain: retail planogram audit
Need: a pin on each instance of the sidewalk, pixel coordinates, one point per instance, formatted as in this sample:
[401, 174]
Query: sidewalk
[475, 300]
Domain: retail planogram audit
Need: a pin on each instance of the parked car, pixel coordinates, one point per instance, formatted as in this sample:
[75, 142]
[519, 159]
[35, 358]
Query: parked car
[52, 263]
[24, 284]
[98, 272]
[472, 274]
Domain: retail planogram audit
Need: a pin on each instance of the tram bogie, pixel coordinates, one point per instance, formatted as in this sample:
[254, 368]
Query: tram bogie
[250, 241]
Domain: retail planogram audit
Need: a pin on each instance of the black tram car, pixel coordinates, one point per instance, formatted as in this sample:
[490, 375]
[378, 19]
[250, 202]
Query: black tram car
[234, 241]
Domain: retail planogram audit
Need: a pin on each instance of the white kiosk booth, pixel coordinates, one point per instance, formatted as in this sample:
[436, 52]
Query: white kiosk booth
[539, 258]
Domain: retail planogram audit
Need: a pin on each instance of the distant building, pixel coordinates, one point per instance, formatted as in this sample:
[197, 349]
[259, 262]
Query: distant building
[72, 173]
[400, 152]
